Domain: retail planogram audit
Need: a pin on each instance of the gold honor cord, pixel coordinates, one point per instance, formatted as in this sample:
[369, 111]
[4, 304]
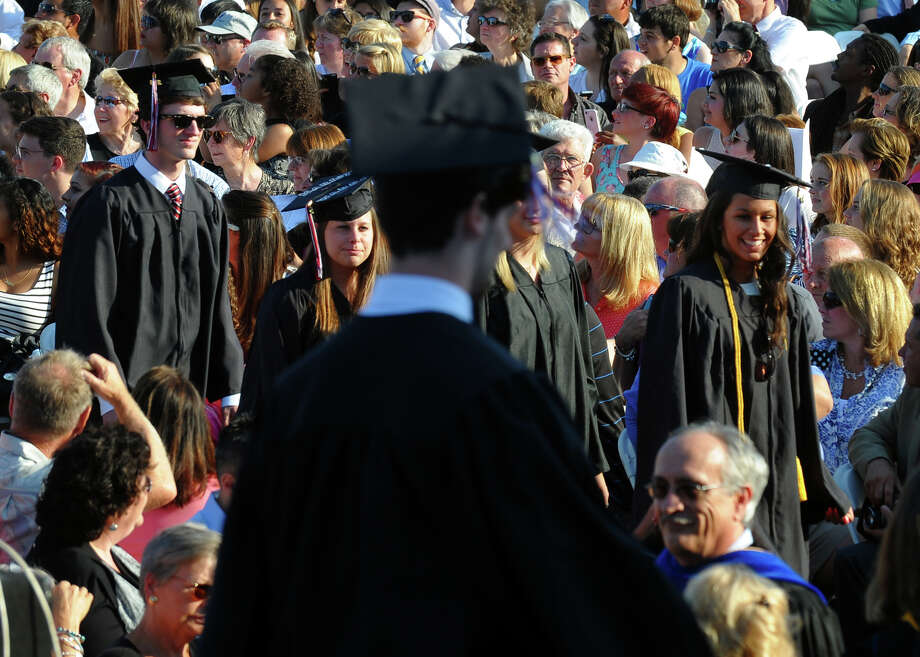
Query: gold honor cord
[736, 336]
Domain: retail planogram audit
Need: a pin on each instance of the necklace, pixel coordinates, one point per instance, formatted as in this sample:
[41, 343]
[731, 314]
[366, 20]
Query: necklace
[10, 283]
[847, 374]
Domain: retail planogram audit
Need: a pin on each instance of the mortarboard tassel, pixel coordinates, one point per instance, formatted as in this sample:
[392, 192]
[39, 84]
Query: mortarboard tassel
[154, 114]
[316, 245]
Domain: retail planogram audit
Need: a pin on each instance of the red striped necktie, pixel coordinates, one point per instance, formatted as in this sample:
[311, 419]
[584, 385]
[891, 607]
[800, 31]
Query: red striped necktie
[175, 200]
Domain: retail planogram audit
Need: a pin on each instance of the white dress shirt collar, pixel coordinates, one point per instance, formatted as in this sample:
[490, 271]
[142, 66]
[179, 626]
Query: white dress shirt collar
[743, 542]
[156, 177]
[767, 22]
[407, 294]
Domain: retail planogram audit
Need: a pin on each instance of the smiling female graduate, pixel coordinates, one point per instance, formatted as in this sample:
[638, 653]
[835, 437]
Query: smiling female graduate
[726, 342]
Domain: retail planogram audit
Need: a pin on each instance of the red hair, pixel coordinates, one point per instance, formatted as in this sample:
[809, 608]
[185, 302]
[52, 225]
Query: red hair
[658, 103]
[97, 172]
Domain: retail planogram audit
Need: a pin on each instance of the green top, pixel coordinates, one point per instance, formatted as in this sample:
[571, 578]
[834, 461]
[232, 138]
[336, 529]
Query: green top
[834, 16]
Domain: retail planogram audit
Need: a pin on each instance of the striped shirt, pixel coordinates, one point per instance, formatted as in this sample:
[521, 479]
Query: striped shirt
[29, 311]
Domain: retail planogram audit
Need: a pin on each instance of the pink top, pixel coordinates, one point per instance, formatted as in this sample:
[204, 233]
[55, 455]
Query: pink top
[168, 516]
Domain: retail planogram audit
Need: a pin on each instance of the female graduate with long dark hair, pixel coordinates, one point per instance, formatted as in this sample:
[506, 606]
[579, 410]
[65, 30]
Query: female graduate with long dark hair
[726, 342]
[302, 310]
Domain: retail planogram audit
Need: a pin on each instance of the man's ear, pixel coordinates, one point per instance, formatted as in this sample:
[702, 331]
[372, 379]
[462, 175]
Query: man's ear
[474, 221]
[743, 497]
[589, 169]
[57, 163]
[75, 77]
[73, 21]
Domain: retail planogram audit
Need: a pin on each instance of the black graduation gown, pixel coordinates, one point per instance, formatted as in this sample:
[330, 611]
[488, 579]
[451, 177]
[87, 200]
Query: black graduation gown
[285, 331]
[688, 375]
[545, 327]
[415, 491]
[142, 290]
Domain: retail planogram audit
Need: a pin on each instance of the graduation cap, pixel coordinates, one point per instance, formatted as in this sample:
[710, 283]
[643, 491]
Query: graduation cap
[343, 197]
[174, 80]
[737, 176]
[468, 117]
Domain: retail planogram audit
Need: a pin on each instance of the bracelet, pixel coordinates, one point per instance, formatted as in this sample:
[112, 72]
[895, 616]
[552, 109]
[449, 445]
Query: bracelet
[629, 355]
[73, 635]
[71, 653]
[70, 642]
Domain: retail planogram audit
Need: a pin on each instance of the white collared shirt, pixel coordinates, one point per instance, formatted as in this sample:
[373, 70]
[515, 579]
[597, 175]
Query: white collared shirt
[409, 56]
[23, 469]
[87, 118]
[408, 294]
[451, 26]
[785, 37]
[217, 184]
[743, 542]
[632, 27]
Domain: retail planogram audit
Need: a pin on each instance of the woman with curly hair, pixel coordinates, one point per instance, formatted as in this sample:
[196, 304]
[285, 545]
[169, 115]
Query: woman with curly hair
[94, 496]
[176, 410]
[259, 256]
[835, 180]
[889, 215]
[31, 246]
[34, 33]
[288, 94]
[903, 112]
[504, 28]
[164, 24]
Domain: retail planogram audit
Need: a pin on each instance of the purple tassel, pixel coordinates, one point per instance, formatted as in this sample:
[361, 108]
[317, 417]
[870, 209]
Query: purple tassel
[154, 114]
[316, 245]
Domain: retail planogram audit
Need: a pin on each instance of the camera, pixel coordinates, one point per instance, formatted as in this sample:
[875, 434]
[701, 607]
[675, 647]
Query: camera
[872, 517]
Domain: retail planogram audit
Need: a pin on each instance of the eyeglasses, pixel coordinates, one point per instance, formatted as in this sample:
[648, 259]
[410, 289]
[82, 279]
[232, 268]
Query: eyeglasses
[348, 44]
[606, 18]
[586, 226]
[884, 90]
[723, 47]
[554, 161]
[491, 21]
[831, 300]
[339, 13]
[218, 39]
[623, 107]
[149, 22]
[108, 100]
[733, 137]
[889, 112]
[242, 77]
[199, 591]
[217, 135]
[23, 153]
[686, 491]
[406, 16]
[51, 66]
[555, 60]
[182, 121]
[48, 8]
[361, 71]
[655, 208]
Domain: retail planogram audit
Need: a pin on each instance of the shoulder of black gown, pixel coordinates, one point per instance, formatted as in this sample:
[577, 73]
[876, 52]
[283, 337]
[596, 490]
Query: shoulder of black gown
[455, 514]
[819, 633]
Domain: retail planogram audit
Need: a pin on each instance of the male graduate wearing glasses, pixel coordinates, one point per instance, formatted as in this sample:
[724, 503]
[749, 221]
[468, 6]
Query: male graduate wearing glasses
[144, 269]
[417, 22]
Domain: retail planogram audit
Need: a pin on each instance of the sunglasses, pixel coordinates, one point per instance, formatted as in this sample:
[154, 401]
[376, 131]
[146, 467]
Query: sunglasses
[108, 100]
[199, 591]
[406, 16]
[723, 47]
[491, 21]
[182, 121]
[555, 60]
[218, 39]
[360, 71]
[587, 226]
[884, 90]
[48, 8]
[831, 300]
[655, 208]
[686, 491]
[149, 22]
[339, 13]
[217, 136]
[733, 137]
[52, 67]
[623, 107]
[348, 44]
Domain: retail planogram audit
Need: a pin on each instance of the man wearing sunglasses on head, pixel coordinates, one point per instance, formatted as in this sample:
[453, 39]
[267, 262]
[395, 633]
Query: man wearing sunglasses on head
[226, 39]
[417, 23]
[69, 61]
[551, 60]
[146, 273]
[74, 15]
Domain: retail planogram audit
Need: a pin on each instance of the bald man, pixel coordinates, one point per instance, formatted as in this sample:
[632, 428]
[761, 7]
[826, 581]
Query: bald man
[666, 198]
[622, 68]
[825, 253]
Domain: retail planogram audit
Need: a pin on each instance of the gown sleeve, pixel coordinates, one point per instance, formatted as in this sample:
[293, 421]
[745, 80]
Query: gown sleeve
[89, 278]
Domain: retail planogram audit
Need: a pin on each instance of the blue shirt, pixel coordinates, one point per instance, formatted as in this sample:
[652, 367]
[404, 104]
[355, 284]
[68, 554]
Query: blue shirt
[695, 75]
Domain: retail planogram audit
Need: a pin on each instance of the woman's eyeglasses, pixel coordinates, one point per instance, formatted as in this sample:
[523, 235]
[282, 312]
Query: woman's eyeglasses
[734, 138]
[149, 22]
[623, 107]
[348, 44]
[339, 13]
[723, 47]
[884, 90]
[111, 101]
[182, 121]
[491, 21]
[217, 136]
[360, 71]
[831, 300]
[587, 226]
[199, 591]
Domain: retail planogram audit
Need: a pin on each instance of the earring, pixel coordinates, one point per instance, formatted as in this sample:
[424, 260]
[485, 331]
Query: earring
[153, 599]
[113, 526]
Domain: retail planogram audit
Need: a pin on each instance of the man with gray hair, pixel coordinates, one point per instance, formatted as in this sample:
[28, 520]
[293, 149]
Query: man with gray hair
[50, 405]
[666, 198]
[564, 17]
[39, 79]
[69, 61]
[707, 482]
[567, 165]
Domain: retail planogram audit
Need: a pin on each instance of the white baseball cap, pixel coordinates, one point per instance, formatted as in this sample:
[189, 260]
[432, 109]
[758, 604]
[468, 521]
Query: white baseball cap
[232, 22]
[659, 157]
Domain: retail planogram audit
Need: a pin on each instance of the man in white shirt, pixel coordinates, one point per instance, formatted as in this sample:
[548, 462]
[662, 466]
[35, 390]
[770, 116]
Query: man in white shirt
[70, 63]
[452, 23]
[785, 36]
[38, 430]
[620, 10]
[417, 23]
